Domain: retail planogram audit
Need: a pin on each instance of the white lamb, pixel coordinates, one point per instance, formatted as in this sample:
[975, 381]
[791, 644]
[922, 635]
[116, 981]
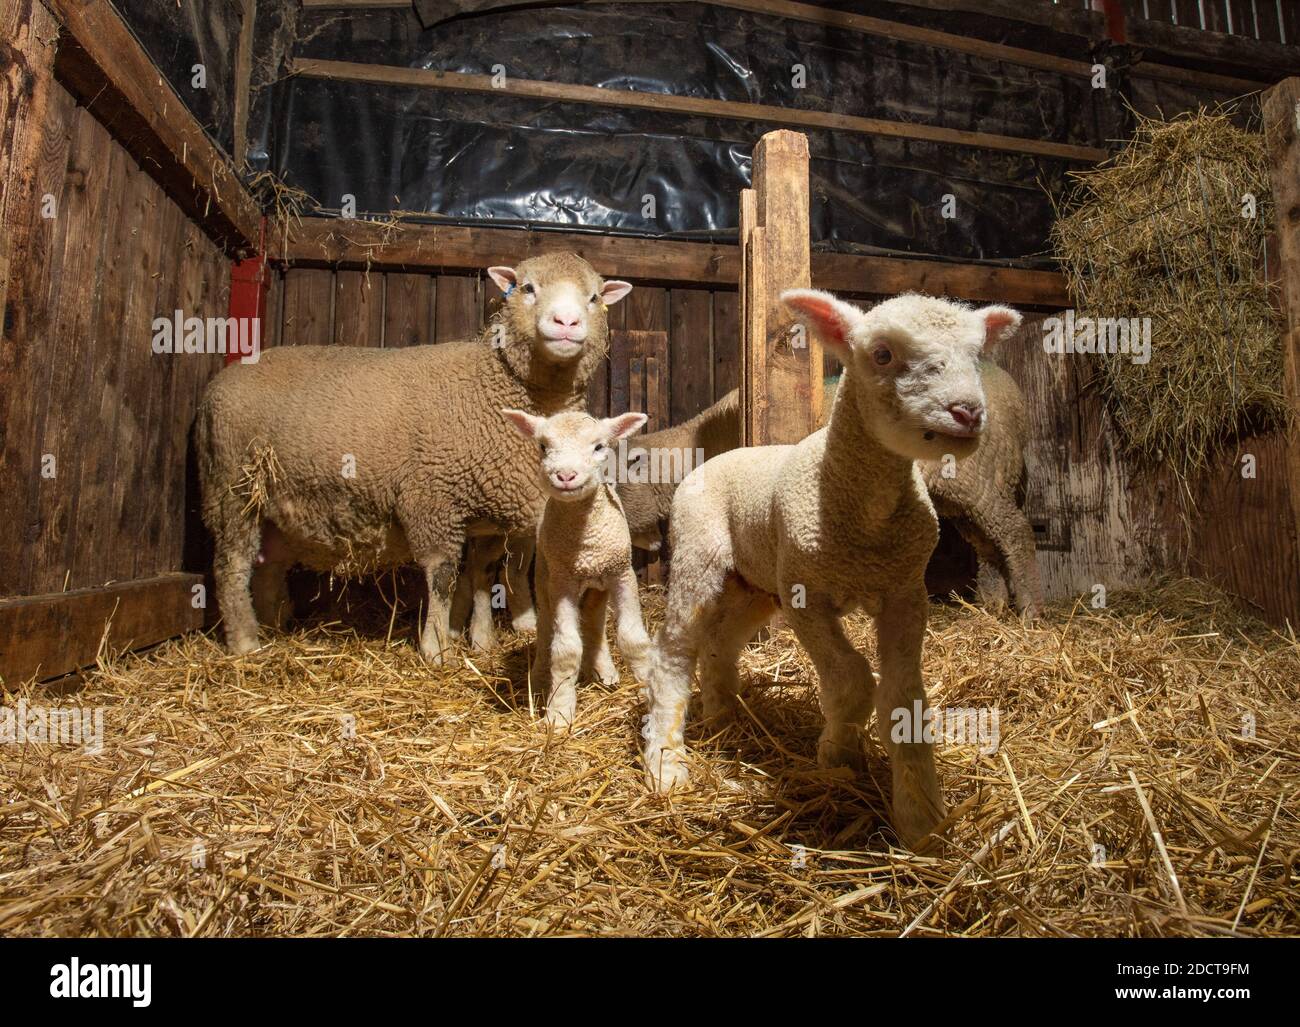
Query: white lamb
[584, 557]
[839, 521]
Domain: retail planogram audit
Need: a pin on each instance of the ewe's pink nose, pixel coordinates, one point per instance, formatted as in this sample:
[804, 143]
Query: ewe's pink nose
[564, 477]
[966, 415]
[566, 318]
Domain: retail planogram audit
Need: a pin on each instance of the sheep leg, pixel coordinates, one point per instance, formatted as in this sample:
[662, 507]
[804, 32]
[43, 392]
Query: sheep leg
[566, 661]
[740, 614]
[1008, 529]
[845, 683]
[900, 628]
[440, 577]
[519, 557]
[232, 569]
[597, 664]
[540, 673]
[629, 625]
[462, 595]
[990, 583]
[691, 597]
[484, 554]
[271, 594]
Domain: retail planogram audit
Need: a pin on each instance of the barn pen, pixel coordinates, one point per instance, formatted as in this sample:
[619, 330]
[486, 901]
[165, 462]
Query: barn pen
[197, 183]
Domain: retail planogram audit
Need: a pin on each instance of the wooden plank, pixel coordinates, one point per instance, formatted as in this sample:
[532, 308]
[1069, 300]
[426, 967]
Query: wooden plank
[308, 308]
[726, 343]
[753, 335]
[1281, 112]
[359, 309]
[46, 636]
[1267, 24]
[28, 33]
[408, 310]
[380, 74]
[80, 235]
[33, 161]
[90, 553]
[101, 63]
[273, 323]
[243, 80]
[330, 242]
[456, 308]
[792, 385]
[691, 359]
[646, 319]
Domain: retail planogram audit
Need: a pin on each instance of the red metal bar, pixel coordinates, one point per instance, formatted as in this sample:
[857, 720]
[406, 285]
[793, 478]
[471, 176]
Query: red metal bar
[1116, 30]
[250, 282]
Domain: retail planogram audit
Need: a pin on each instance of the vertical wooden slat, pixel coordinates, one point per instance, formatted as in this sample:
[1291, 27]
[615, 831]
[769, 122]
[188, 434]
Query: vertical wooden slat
[273, 322]
[33, 160]
[1266, 20]
[408, 310]
[1188, 13]
[308, 308]
[81, 233]
[691, 363]
[749, 322]
[458, 307]
[1291, 22]
[726, 343]
[1281, 110]
[91, 533]
[358, 308]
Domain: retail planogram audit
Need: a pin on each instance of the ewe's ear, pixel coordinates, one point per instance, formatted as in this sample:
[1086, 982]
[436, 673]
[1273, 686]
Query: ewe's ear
[623, 425]
[614, 291]
[525, 424]
[505, 277]
[833, 320]
[999, 323]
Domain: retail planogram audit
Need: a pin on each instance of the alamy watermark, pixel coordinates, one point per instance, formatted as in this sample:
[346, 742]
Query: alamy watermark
[656, 465]
[234, 335]
[1130, 336]
[957, 725]
[57, 725]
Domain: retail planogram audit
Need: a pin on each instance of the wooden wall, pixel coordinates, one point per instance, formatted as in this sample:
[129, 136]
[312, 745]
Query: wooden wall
[80, 382]
[672, 351]
[1103, 522]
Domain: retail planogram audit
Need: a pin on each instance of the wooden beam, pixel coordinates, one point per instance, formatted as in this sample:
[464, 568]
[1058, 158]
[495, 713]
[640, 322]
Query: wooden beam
[417, 246]
[783, 368]
[243, 81]
[422, 78]
[100, 63]
[50, 635]
[1281, 111]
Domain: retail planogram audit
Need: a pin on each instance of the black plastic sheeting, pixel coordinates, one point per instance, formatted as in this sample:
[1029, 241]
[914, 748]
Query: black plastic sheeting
[486, 157]
[177, 37]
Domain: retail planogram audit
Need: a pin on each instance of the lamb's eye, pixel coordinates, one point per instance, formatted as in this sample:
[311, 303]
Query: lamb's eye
[528, 288]
[882, 356]
[593, 299]
[542, 447]
[600, 447]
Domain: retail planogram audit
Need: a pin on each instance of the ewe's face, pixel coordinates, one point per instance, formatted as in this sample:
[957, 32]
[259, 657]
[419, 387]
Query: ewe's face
[573, 448]
[561, 298]
[915, 366]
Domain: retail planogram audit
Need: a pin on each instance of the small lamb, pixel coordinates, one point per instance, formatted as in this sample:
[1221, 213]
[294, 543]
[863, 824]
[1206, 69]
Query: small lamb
[584, 556]
[840, 521]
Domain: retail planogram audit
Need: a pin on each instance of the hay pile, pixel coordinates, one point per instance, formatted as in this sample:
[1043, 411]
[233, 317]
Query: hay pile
[231, 798]
[1158, 232]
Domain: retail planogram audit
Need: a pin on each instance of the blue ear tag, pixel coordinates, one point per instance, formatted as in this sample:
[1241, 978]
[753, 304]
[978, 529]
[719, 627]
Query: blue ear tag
[510, 290]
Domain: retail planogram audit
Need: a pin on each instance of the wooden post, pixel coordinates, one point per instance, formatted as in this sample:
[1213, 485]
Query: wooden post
[781, 368]
[1282, 132]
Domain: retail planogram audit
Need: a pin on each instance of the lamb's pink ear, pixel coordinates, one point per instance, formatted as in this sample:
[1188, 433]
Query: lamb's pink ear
[614, 291]
[504, 277]
[623, 425]
[525, 423]
[833, 320]
[999, 323]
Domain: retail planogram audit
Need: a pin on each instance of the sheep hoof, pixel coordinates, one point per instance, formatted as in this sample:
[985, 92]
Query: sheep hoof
[433, 657]
[666, 771]
[241, 646]
[606, 672]
[483, 641]
[525, 621]
[913, 823]
[560, 718]
[841, 747]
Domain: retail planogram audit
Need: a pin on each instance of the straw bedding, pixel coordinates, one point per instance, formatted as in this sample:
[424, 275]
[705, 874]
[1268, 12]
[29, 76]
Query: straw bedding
[231, 798]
